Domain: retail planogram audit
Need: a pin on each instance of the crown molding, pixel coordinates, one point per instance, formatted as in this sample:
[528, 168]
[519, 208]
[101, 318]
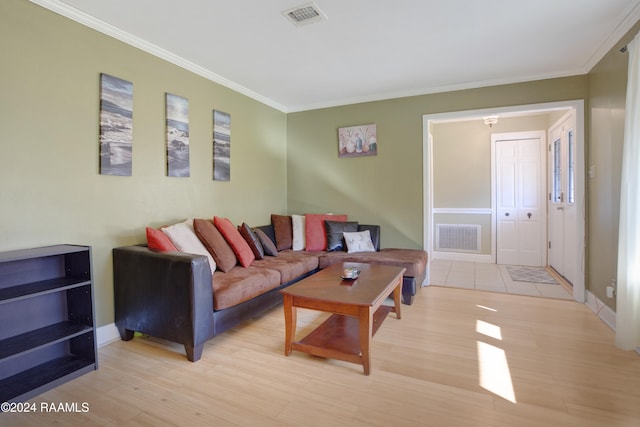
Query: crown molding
[87, 20]
[429, 91]
[614, 38]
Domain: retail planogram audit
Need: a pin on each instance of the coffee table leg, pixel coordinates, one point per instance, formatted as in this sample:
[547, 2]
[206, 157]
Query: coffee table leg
[290, 321]
[366, 329]
[397, 296]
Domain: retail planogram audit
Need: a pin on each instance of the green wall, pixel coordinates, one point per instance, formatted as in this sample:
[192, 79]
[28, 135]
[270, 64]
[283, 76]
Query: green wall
[50, 188]
[607, 97]
[387, 189]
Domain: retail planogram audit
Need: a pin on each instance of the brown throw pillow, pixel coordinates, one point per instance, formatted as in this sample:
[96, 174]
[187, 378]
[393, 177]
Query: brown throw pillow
[283, 230]
[268, 246]
[252, 240]
[215, 243]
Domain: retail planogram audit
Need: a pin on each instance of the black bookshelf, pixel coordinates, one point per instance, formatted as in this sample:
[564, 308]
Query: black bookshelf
[47, 326]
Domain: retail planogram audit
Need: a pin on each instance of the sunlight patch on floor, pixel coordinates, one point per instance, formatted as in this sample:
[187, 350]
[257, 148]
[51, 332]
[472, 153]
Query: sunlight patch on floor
[488, 329]
[486, 308]
[493, 367]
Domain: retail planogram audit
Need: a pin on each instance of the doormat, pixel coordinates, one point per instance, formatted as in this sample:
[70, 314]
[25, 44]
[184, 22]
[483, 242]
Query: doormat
[531, 274]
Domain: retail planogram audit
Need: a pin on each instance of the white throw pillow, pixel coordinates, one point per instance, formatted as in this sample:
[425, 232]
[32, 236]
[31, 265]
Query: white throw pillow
[184, 239]
[359, 241]
[299, 237]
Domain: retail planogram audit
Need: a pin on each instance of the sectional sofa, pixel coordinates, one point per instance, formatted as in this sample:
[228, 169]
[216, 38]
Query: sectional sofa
[176, 296]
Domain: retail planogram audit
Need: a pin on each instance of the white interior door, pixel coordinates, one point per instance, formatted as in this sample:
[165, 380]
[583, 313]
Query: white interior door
[506, 218]
[520, 206]
[562, 197]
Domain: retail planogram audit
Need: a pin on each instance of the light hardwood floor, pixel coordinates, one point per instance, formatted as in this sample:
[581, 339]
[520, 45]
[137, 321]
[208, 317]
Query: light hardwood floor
[456, 358]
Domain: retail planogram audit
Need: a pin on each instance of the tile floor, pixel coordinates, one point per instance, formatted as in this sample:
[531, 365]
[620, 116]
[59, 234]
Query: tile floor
[489, 277]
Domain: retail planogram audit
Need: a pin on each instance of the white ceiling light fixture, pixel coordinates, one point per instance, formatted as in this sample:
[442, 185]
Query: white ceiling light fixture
[490, 120]
[305, 14]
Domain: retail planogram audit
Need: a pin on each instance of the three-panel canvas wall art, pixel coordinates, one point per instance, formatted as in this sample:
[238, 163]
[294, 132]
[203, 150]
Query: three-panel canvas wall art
[116, 133]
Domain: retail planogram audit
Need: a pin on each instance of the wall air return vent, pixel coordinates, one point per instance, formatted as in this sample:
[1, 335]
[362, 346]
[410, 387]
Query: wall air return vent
[305, 14]
[458, 237]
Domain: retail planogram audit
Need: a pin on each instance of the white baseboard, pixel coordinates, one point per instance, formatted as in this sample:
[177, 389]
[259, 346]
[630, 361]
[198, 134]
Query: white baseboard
[107, 334]
[606, 314]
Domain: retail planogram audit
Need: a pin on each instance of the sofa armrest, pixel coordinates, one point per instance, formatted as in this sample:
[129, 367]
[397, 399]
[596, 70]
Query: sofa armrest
[163, 294]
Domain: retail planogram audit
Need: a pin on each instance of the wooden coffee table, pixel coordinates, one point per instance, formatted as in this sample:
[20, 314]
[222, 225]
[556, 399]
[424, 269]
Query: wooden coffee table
[357, 307]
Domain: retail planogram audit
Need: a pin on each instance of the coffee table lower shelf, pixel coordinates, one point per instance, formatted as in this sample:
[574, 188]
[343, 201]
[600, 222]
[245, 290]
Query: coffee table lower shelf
[338, 337]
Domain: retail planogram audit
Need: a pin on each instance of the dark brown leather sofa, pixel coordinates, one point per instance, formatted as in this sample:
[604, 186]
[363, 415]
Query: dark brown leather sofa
[173, 295]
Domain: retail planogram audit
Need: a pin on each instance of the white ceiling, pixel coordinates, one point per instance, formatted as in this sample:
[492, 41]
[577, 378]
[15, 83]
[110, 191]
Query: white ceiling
[366, 50]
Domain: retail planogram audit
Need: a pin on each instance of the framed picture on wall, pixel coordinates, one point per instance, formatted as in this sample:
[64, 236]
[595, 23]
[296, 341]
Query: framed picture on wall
[177, 136]
[221, 146]
[116, 126]
[358, 141]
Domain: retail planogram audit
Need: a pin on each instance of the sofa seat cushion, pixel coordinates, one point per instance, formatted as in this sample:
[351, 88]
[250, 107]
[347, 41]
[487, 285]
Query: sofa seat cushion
[329, 258]
[242, 284]
[414, 260]
[291, 264]
[309, 259]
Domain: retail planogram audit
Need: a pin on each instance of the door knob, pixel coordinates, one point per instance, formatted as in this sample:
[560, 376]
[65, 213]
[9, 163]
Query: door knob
[529, 215]
[506, 214]
[560, 208]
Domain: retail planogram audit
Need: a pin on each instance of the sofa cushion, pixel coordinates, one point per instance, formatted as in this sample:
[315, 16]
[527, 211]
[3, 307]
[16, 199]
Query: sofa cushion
[242, 284]
[235, 240]
[316, 235]
[159, 241]
[283, 230]
[291, 264]
[299, 242]
[309, 259]
[185, 240]
[267, 244]
[335, 237]
[215, 243]
[414, 260]
[288, 270]
[359, 241]
[252, 240]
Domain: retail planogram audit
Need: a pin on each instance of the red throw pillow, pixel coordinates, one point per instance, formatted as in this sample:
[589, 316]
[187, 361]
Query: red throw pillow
[236, 241]
[159, 241]
[315, 232]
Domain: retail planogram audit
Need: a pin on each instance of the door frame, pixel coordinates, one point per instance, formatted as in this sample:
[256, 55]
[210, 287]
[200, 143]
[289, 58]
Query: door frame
[579, 293]
[505, 136]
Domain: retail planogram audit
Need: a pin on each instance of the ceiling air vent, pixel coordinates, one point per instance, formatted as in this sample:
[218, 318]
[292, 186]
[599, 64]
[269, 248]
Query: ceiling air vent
[305, 14]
